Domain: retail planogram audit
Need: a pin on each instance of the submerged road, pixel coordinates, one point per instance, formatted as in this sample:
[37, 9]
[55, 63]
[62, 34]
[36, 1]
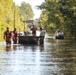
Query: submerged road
[55, 57]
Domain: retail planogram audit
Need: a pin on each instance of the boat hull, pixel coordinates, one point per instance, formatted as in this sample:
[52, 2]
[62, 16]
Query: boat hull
[59, 37]
[28, 39]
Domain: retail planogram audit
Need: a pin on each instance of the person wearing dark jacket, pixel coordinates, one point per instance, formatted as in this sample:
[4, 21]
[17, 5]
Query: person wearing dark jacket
[33, 29]
[15, 36]
[7, 36]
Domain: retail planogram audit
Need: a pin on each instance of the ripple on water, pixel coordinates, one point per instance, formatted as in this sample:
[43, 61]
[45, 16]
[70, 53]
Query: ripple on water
[52, 58]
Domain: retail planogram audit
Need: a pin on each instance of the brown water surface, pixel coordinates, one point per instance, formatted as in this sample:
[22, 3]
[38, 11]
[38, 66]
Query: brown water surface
[55, 57]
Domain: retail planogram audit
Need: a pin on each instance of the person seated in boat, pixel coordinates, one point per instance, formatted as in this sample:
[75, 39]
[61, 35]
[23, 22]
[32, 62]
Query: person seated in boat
[60, 35]
[25, 33]
[33, 29]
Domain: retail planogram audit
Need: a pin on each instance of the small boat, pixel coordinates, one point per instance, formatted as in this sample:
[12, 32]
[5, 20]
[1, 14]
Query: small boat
[59, 35]
[28, 39]
[25, 38]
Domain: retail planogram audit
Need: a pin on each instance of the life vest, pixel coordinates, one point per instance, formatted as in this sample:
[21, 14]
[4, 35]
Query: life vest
[15, 35]
[7, 35]
[34, 30]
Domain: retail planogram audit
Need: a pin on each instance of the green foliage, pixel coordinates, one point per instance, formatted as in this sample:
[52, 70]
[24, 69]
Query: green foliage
[26, 10]
[10, 15]
[68, 10]
[61, 14]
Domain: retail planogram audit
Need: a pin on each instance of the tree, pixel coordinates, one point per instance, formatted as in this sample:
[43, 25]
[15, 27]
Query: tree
[26, 10]
[68, 10]
[61, 14]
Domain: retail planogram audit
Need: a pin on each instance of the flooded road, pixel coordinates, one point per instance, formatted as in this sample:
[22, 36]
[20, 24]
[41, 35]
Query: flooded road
[55, 57]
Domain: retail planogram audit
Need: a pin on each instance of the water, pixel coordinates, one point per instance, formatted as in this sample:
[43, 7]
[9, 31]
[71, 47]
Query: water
[55, 57]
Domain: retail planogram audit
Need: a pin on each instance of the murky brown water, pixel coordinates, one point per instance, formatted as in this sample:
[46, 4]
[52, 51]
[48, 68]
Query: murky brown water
[55, 57]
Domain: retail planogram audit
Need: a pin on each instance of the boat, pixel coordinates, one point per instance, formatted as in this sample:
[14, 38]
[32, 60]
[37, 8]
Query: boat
[28, 39]
[59, 35]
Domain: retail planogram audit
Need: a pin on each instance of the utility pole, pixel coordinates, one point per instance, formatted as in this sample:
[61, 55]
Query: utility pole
[14, 15]
[24, 25]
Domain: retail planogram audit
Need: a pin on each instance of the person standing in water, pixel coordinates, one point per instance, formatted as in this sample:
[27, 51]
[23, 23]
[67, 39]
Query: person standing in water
[42, 35]
[7, 36]
[15, 36]
[33, 29]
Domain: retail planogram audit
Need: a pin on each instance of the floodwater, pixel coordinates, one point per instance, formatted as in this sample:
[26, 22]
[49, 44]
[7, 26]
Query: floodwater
[55, 57]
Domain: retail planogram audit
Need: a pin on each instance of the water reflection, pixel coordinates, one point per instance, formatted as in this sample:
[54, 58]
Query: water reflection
[55, 57]
[8, 48]
[41, 48]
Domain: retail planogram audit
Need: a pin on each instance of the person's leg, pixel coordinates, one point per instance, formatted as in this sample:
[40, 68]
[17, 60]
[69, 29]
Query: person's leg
[41, 40]
[14, 41]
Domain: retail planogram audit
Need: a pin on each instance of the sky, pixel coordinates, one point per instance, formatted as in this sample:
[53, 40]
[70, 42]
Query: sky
[33, 3]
